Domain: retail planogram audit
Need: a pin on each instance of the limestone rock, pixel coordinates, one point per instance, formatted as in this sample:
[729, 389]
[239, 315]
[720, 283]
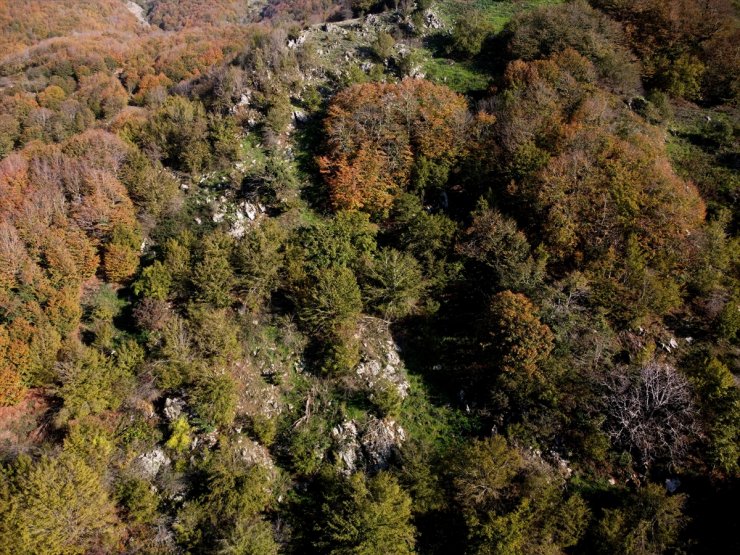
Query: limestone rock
[150, 463]
[173, 407]
[370, 445]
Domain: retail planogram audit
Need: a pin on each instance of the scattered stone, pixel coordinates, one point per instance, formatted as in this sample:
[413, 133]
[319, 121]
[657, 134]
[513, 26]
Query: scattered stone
[380, 440]
[253, 453]
[381, 363]
[672, 484]
[250, 210]
[562, 464]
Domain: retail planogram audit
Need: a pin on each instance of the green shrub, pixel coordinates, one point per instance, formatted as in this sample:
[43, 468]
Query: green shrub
[214, 400]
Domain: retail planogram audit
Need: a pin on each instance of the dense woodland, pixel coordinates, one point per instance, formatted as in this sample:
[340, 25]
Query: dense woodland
[355, 277]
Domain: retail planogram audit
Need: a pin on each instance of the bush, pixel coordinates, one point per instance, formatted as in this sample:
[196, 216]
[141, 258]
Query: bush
[368, 515]
[214, 400]
[308, 444]
[138, 500]
[179, 439]
[332, 305]
[468, 35]
[92, 384]
[386, 398]
[264, 428]
[57, 505]
[383, 45]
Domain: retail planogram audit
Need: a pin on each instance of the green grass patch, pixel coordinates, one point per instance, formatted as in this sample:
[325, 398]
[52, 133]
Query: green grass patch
[496, 13]
[461, 77]
[430, 423]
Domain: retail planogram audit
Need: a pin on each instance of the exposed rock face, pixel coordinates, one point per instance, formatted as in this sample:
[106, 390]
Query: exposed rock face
[173, 408]
[150, 463]
[432, 21]
[381, 363]
[370, 445]
[380, 440]
[138, 12]
[348, 447]
[253, 453]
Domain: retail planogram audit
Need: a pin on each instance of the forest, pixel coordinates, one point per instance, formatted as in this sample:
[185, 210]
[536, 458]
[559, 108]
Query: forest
[368, 277]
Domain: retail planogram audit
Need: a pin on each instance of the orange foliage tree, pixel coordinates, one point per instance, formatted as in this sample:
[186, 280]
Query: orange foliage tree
[377, 132]
[60, 207]
[585, 171]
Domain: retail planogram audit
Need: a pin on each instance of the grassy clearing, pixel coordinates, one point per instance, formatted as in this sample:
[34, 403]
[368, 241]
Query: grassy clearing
[430, 423]
[461, 77]
[496, 13]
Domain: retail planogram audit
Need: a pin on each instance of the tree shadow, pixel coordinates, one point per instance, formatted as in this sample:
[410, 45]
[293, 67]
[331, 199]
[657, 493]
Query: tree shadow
[309, 138]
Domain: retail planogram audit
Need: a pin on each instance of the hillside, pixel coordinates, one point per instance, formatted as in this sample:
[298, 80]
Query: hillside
[348, 277]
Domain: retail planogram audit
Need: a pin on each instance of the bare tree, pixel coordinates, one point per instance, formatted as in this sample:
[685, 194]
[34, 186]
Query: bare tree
[650, 412]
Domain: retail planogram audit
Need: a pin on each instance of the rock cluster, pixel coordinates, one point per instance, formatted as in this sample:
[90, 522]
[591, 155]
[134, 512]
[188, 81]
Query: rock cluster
[369, 445]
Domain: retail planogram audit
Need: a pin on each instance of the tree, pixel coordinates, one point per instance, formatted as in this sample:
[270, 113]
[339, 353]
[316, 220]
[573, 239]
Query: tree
[214, 400]
[332, 305]
[411, 119]
[368, 516]
[58, 505]
[154, 282]
[330, 310]
[179, 131]
[650, 412]
[468, 35]
[258, 260]
[347, 239]
[428, 237]
[178, 258]
[214, 334]
[121, 255]
[483, 470]
[12, 389]
[91, 383]
[249, 537]
[229, 511]
[513, 504]
[495, 241]
[150, 186]
[549, 29]
[213, 275]
[383, 46]
[647, 523]
[719, 399]
[519, 340]
[12, 360]
[394, 283]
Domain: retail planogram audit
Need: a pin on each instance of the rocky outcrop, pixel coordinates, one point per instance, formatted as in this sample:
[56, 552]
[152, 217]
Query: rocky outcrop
[381, 363]
[149, 464]
[173, 408]
[370, 445]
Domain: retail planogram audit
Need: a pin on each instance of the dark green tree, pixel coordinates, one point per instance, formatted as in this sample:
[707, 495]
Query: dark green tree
[368, 516]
